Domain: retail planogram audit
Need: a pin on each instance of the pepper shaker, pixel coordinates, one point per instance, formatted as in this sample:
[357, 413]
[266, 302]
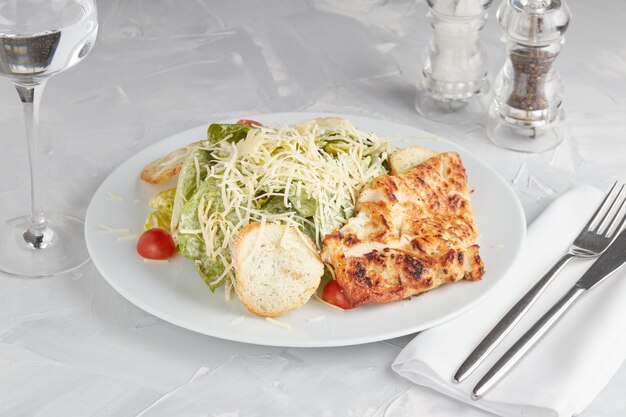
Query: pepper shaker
[526, 113]
[453, 82]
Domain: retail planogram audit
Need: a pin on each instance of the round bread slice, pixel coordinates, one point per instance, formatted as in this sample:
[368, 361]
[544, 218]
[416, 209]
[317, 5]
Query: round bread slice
[277, 269]
[166, 167]
[404, 159]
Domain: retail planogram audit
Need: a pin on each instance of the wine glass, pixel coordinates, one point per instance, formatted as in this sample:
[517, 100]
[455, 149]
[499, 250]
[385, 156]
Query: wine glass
[40, 38]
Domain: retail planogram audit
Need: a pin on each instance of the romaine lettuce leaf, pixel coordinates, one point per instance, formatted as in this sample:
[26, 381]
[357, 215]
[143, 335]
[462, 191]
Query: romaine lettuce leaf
[189, 179]
[162, 203]
[304, 205]
[158, 219]
[191, 245]
[163, 199]
[192, 187]
[220, 131]
[276, 205]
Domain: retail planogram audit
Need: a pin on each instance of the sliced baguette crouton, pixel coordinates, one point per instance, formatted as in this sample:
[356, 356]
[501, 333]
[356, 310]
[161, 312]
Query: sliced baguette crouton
[325, 123]
[277, 269]
[164, 168]
[404, 159]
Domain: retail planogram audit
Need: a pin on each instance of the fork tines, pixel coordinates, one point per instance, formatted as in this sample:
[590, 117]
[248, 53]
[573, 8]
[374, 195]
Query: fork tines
[610, 216]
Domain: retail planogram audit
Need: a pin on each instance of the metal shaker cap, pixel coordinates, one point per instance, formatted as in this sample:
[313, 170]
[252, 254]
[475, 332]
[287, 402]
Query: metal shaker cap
[534, 22]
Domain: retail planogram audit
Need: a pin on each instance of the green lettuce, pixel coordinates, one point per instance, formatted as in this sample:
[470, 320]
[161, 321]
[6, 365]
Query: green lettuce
[158, 219]
[220, 131]
[191, 245]
[276, 205]
[305, 206]
[163, 200]
[189, 194]
[162, 203]
[189, 180]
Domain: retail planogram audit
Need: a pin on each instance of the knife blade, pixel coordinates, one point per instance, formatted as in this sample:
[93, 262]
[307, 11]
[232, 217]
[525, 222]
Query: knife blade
[609, 262]
[613, 258]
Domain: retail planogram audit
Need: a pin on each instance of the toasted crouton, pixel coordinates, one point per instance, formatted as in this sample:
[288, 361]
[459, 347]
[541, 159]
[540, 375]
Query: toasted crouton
[164, 168]
[277, 269]
[404, 159]
[325, 123]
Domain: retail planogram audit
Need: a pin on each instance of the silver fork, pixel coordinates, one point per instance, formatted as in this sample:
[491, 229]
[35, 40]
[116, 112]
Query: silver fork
[595, 237]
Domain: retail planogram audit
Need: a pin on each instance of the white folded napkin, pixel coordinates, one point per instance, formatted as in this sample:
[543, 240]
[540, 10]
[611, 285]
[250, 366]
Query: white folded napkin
[564, 372]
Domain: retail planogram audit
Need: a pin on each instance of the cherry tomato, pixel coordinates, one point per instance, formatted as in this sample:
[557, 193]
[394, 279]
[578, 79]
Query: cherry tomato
[249, 122]
[332, 294]
[156, 244]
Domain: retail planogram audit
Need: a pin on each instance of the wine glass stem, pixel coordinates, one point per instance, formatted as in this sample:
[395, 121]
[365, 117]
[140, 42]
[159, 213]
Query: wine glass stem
[38, 235]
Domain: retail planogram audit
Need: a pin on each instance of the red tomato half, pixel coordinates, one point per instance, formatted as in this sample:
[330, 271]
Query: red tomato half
[156, 244]
[332, 294]
[249, 122]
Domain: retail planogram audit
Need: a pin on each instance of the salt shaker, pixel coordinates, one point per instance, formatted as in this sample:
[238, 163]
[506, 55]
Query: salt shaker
[453, 81]
[526, 113]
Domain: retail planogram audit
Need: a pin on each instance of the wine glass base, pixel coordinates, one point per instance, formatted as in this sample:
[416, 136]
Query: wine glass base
[66, 252]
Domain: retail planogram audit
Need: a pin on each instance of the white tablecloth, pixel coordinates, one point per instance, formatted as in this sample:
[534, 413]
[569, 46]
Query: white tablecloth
[72, 346]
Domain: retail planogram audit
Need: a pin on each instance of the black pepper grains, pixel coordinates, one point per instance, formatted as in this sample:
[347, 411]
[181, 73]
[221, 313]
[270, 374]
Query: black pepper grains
[531, 67]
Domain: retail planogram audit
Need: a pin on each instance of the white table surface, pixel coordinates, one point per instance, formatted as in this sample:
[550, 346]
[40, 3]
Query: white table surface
[72, 346]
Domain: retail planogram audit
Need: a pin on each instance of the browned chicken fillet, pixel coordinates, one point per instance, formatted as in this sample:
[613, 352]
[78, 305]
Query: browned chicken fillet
[412, 232]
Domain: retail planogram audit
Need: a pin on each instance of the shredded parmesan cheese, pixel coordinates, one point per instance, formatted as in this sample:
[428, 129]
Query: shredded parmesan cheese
[281, 324]
[156, 261]
[129, 237]
[122, 231]
[228, 289]
[318, 298]
[115, 197]
[294, 164]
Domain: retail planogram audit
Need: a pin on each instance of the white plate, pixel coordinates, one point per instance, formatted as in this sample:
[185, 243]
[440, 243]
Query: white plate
[173, 292]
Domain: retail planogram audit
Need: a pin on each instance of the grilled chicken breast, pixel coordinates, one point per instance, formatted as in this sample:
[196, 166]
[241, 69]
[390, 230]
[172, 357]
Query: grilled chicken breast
[412, 232]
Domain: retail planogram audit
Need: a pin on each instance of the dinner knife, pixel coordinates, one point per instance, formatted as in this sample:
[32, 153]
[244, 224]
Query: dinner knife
[609, 262]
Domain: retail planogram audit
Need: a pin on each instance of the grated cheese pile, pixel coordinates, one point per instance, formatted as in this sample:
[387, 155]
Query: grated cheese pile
[310, 175]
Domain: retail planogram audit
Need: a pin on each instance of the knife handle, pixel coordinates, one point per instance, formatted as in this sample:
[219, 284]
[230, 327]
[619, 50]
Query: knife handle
[509, 321]
[528, 340]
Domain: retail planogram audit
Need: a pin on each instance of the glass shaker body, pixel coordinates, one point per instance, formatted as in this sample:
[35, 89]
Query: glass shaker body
[453, 80]
[526, 113]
